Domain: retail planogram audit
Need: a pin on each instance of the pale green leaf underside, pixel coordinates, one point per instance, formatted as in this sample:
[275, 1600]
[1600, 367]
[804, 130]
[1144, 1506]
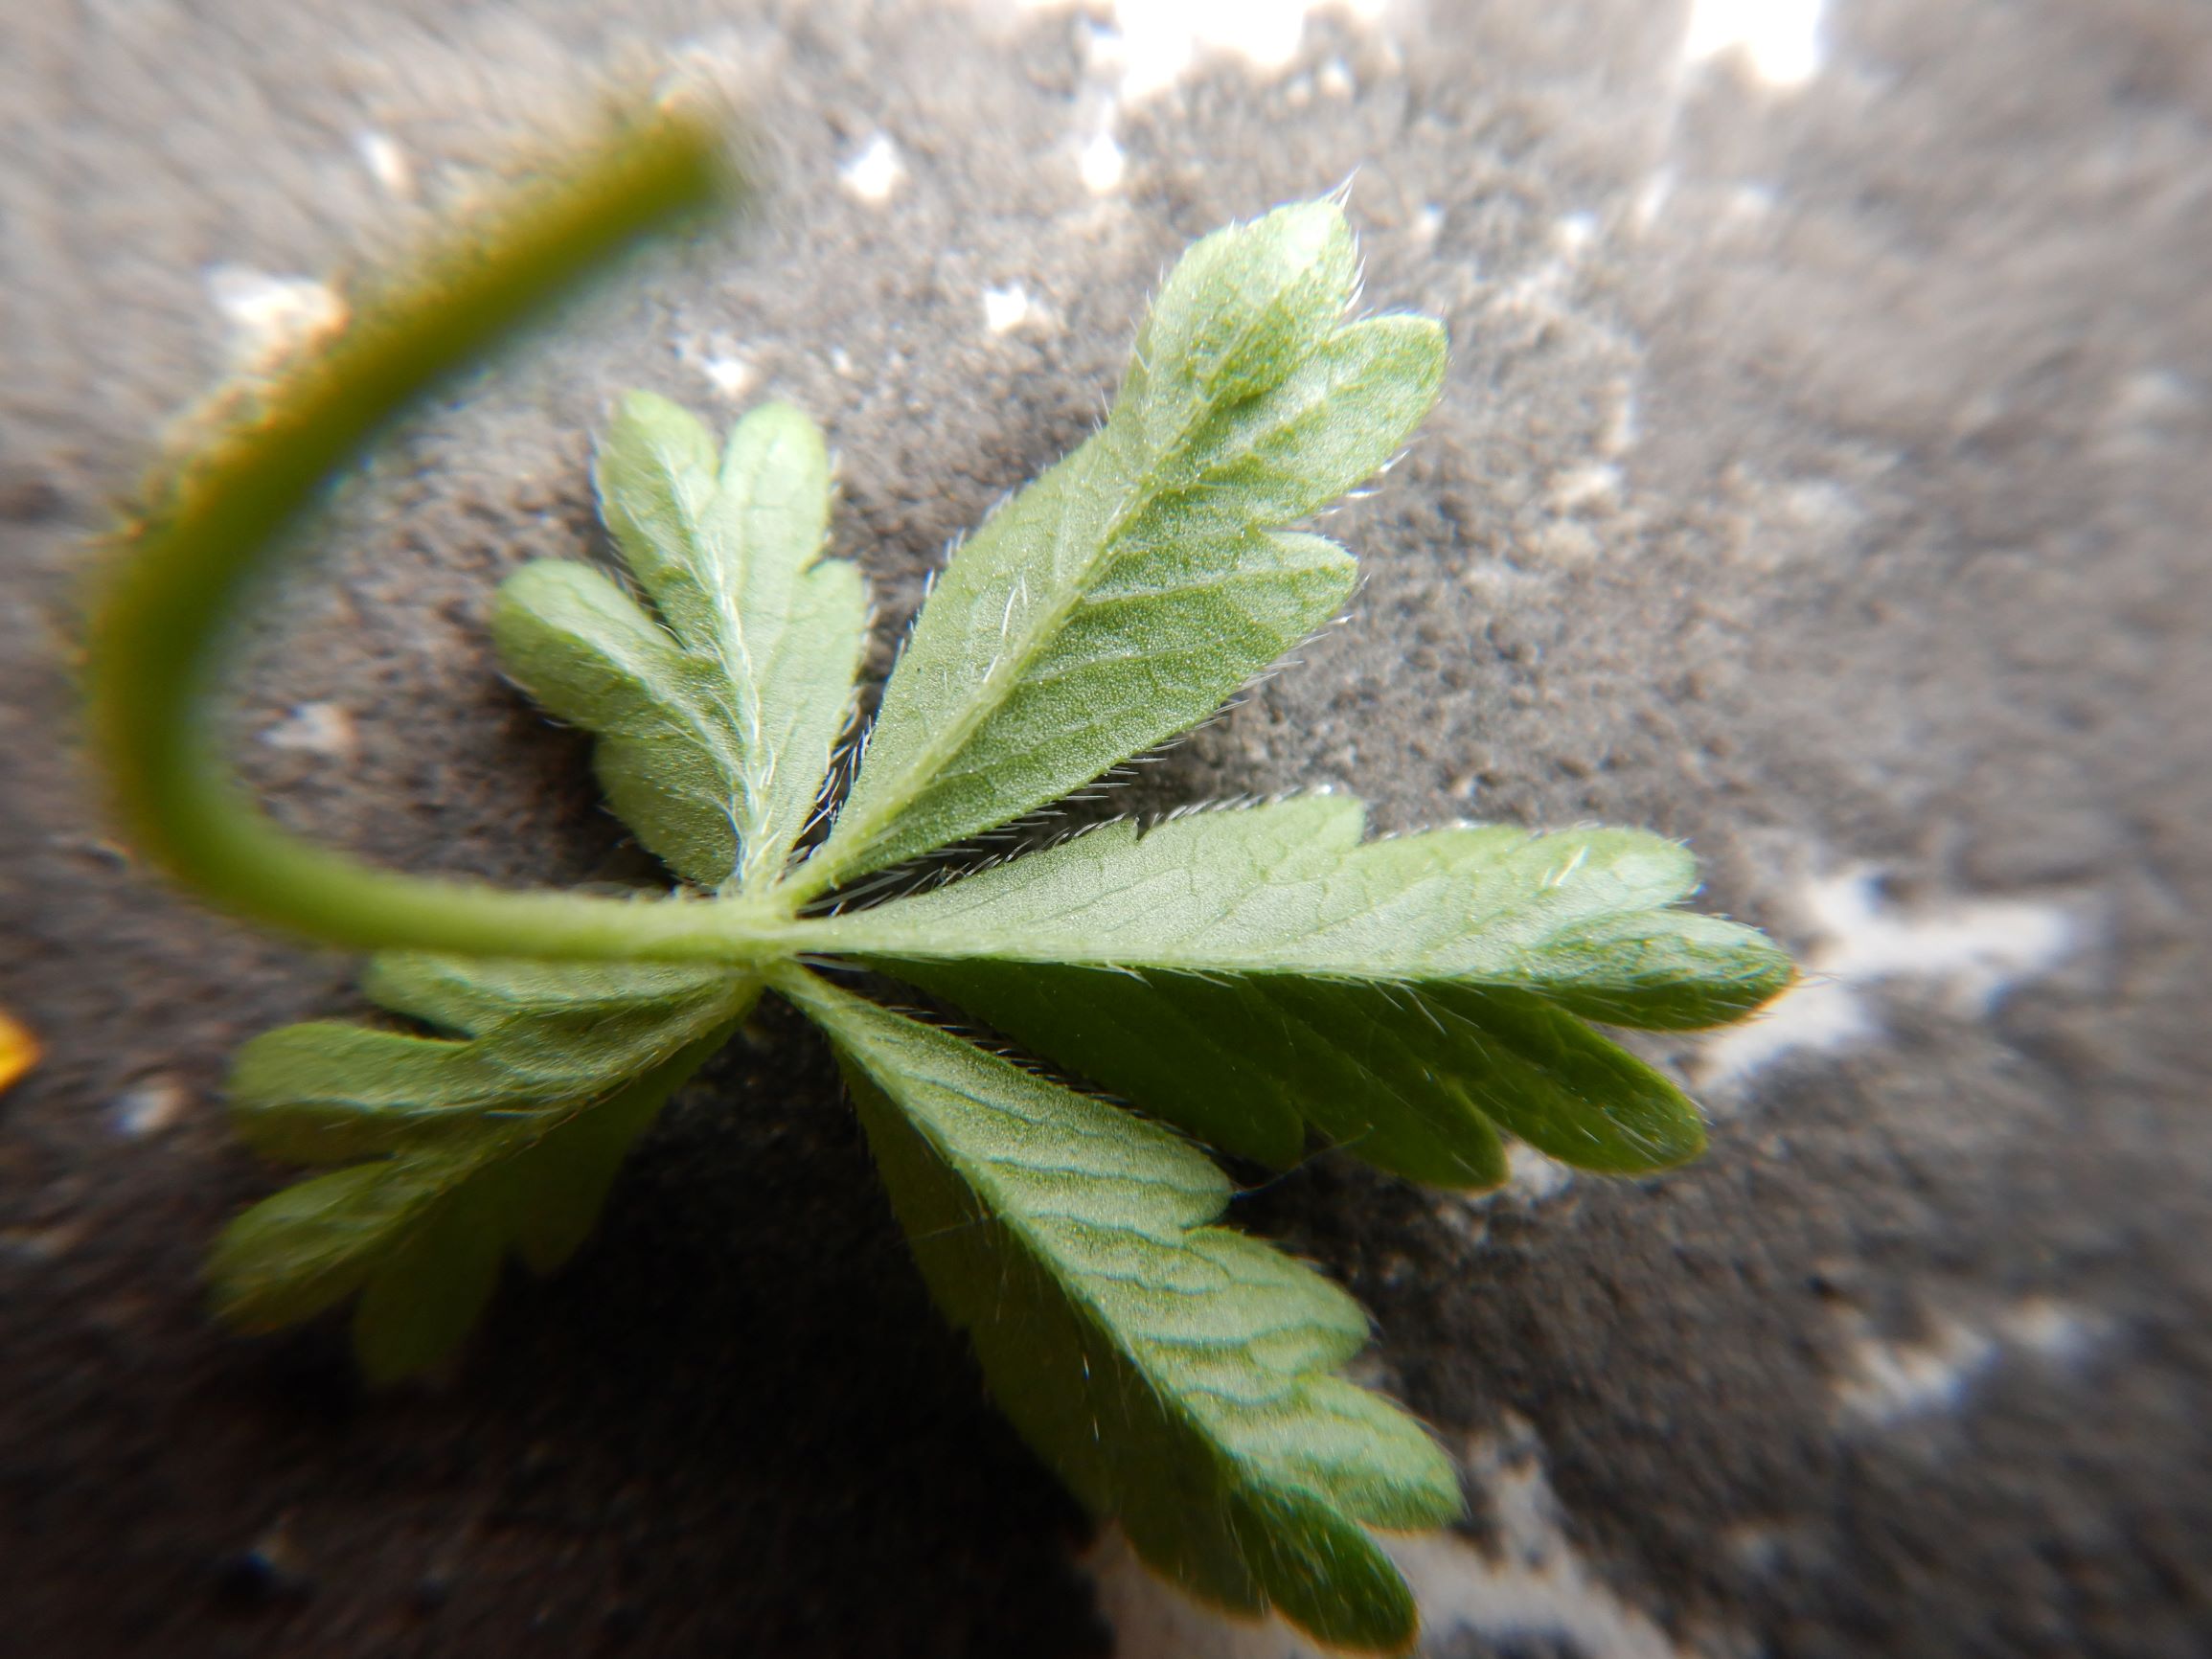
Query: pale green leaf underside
[1291, 888]
[717, 722]
[1118, 600]
[669, 761]
[1247, 975]
[1179, 1376]
[503, 1137]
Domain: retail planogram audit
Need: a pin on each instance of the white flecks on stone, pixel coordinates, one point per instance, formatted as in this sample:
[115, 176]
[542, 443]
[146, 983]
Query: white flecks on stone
[1428, 222]
[387, 164]
[1780, 40]
[1154, 43]
[1539, 293]
[1102, 164]
[1546, 294]
[1532, 1176]
[1536, 1589]
[1162, 38]
[1565, 542]
[2051, 1330]
[1152, 1620]
[1889, 1383]
[1620, 432]
[2152, 410]
[313, 729]
[2154, 395]
[1652, 199]
[1005, 309]
[148, 1107]
[1748, 203]
[874, 172]
[271, 317]
[1977, 948]
[1593, 487]
[1818, 1014]
[1893, 1380]
[1974, 950]
[1575, 232]
[1468, 1219]
[728, 375]
[1335, 80]
[1821, 504]
[718, 357]
[1105, 51]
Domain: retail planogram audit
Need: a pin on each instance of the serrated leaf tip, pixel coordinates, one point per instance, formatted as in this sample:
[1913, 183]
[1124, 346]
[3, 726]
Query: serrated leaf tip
[1248, 304]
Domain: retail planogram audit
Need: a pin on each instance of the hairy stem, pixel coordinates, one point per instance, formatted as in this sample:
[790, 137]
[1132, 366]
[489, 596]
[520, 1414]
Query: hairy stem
[157, 647]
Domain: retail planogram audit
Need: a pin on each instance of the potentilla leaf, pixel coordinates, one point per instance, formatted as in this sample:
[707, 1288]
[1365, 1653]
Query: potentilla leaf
[1120, 598]
[503, 1137]
[1179, 1376]
[1416, 1080]
[716, 723]
[1252, 977]
[1289, 887]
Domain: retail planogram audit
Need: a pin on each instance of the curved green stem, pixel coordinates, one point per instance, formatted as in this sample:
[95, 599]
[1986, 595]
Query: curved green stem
[157, 646]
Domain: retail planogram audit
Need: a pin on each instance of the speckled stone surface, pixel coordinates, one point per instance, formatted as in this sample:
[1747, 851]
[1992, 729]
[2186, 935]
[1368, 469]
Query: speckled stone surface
[1821, 477]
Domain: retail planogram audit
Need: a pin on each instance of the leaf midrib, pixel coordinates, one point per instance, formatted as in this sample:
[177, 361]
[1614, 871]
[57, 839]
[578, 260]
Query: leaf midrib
[750, 811]
[824, 870]
[848, 935]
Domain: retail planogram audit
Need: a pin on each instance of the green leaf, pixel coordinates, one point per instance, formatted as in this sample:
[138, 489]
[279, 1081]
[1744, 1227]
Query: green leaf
[669, 761]
[504, 1138]
[1120, 598]
[1245, 973]
[717, 723]
[1580, 916]
[1415, 1079]
[1179, 1376]
[432, 1283]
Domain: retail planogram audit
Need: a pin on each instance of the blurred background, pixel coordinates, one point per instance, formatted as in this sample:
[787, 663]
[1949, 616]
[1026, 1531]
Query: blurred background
[1821, 478]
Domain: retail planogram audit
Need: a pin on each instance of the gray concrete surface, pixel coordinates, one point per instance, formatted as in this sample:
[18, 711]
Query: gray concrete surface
[1821, 477]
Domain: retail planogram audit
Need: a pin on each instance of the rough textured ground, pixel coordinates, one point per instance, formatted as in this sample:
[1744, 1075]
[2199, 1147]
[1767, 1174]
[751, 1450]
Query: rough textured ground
[1821, 478]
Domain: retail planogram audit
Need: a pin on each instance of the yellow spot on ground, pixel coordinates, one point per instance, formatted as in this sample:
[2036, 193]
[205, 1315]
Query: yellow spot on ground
[19, 1052]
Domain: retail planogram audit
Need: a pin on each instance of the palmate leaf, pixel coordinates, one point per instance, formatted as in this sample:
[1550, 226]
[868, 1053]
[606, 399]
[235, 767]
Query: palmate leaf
[1249, 975]
[1120, 598]
[1177, 1375]
[502, 1137]
[716, 723]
